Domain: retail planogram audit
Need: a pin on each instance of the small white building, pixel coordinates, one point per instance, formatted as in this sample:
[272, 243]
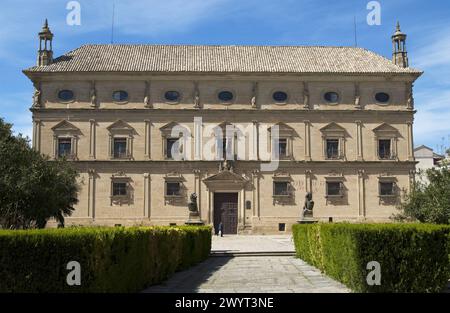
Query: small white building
[426, 157]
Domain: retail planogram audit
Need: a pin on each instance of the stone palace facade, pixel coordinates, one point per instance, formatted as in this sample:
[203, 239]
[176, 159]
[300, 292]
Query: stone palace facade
[249, 129]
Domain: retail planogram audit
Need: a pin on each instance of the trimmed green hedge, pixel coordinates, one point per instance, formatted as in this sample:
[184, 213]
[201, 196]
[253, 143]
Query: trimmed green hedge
[413, 257]
[112, 259]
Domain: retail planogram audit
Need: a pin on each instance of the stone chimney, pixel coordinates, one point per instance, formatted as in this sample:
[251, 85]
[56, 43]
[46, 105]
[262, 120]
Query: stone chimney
[399, 54]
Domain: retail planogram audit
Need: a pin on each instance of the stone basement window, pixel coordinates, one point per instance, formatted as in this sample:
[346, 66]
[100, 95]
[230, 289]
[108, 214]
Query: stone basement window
[281, 189]
[120, 191]
[387, 189]
[334, 190]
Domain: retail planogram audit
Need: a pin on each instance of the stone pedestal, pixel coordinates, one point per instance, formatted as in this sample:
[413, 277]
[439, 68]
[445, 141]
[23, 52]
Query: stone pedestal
[194, 219]
[307, 218]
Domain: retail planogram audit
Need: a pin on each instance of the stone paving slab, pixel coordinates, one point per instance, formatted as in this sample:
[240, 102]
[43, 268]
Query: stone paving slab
[271, 274]
[252, 243]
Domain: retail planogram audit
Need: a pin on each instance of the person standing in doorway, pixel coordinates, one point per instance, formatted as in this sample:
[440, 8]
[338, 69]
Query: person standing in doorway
[221, 229]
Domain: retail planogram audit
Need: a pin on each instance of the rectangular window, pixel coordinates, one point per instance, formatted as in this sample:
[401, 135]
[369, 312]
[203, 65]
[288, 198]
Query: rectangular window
[64, 147]
[282, 147]
[173, 189]
[170, 143]
[386, 188]
[332, 148]
[334, 189]
[119, 189]
[120, 148]
[384, 149]
[281, 188]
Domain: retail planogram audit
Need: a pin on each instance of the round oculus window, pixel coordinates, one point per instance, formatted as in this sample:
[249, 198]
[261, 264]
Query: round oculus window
[172, 96]
[225, 96]
[66, 95]
[382, 97]
[279, 96]
[120, 96]
[331, 97]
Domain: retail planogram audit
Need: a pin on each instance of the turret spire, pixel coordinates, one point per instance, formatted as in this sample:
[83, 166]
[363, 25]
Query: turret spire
[399, 54]
[45, 53]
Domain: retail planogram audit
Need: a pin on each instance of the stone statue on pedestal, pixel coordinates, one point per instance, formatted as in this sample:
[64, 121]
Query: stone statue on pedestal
[308, 206]
[194, 215]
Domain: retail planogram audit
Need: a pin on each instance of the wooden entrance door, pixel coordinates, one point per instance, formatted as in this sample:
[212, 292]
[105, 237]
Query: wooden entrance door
[226, 211]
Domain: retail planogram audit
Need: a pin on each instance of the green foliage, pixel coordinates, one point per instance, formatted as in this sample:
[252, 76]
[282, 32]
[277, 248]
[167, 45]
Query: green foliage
[429, 200]
[413, 257]
[112, 259]
[32, 188]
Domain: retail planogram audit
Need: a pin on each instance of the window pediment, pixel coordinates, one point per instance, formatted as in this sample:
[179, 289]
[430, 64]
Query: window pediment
[284, 130]
[167, 130]
[334, 129]
[386, 130]
[67, 127]
[120, 126]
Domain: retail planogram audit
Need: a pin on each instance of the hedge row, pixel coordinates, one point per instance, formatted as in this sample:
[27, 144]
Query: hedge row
[112, 259]
[413, 257]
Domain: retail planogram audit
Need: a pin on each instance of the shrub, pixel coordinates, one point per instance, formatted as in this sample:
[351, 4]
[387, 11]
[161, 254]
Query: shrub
[112, 259]
[413, 257]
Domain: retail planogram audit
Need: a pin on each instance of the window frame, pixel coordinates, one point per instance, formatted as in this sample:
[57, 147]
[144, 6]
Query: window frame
[180, 189]
[341, 189]
[338, 151]
[332, 102]
[230, 101]
[120, 101]
[60, 100]
[70, 155]
[168, 101]
[127, 148]
[285, 101]
[389, 181]
[391, 150]
[288, 189]
[379, 102]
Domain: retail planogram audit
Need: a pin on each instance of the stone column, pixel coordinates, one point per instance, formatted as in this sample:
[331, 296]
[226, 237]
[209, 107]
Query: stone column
[198, 136]
[198, 190]
[147, 143]
[91, 193]
[37, 135]
[308, 181]
[307, 140]
[147, 196]
[92, 136]
[210, 206]
[242, 215]
[410, 141]
[359, 142]
[255, 146]
[361, 194]
[256, 207]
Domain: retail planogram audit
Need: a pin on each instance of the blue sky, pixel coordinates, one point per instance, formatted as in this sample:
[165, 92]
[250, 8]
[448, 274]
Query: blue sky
[260, 22]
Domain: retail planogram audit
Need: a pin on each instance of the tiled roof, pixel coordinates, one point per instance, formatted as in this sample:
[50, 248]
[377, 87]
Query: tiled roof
[217, 59]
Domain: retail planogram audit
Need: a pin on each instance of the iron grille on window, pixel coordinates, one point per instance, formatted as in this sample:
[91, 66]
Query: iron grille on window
[173, 189]
[281, 189]
[119, 189]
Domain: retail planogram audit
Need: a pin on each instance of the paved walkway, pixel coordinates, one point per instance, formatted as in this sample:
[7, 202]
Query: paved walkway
[260, 274]
[250, 243]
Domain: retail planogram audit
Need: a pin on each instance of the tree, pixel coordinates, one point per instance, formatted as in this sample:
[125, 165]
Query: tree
[33, 189]
[429, 200]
